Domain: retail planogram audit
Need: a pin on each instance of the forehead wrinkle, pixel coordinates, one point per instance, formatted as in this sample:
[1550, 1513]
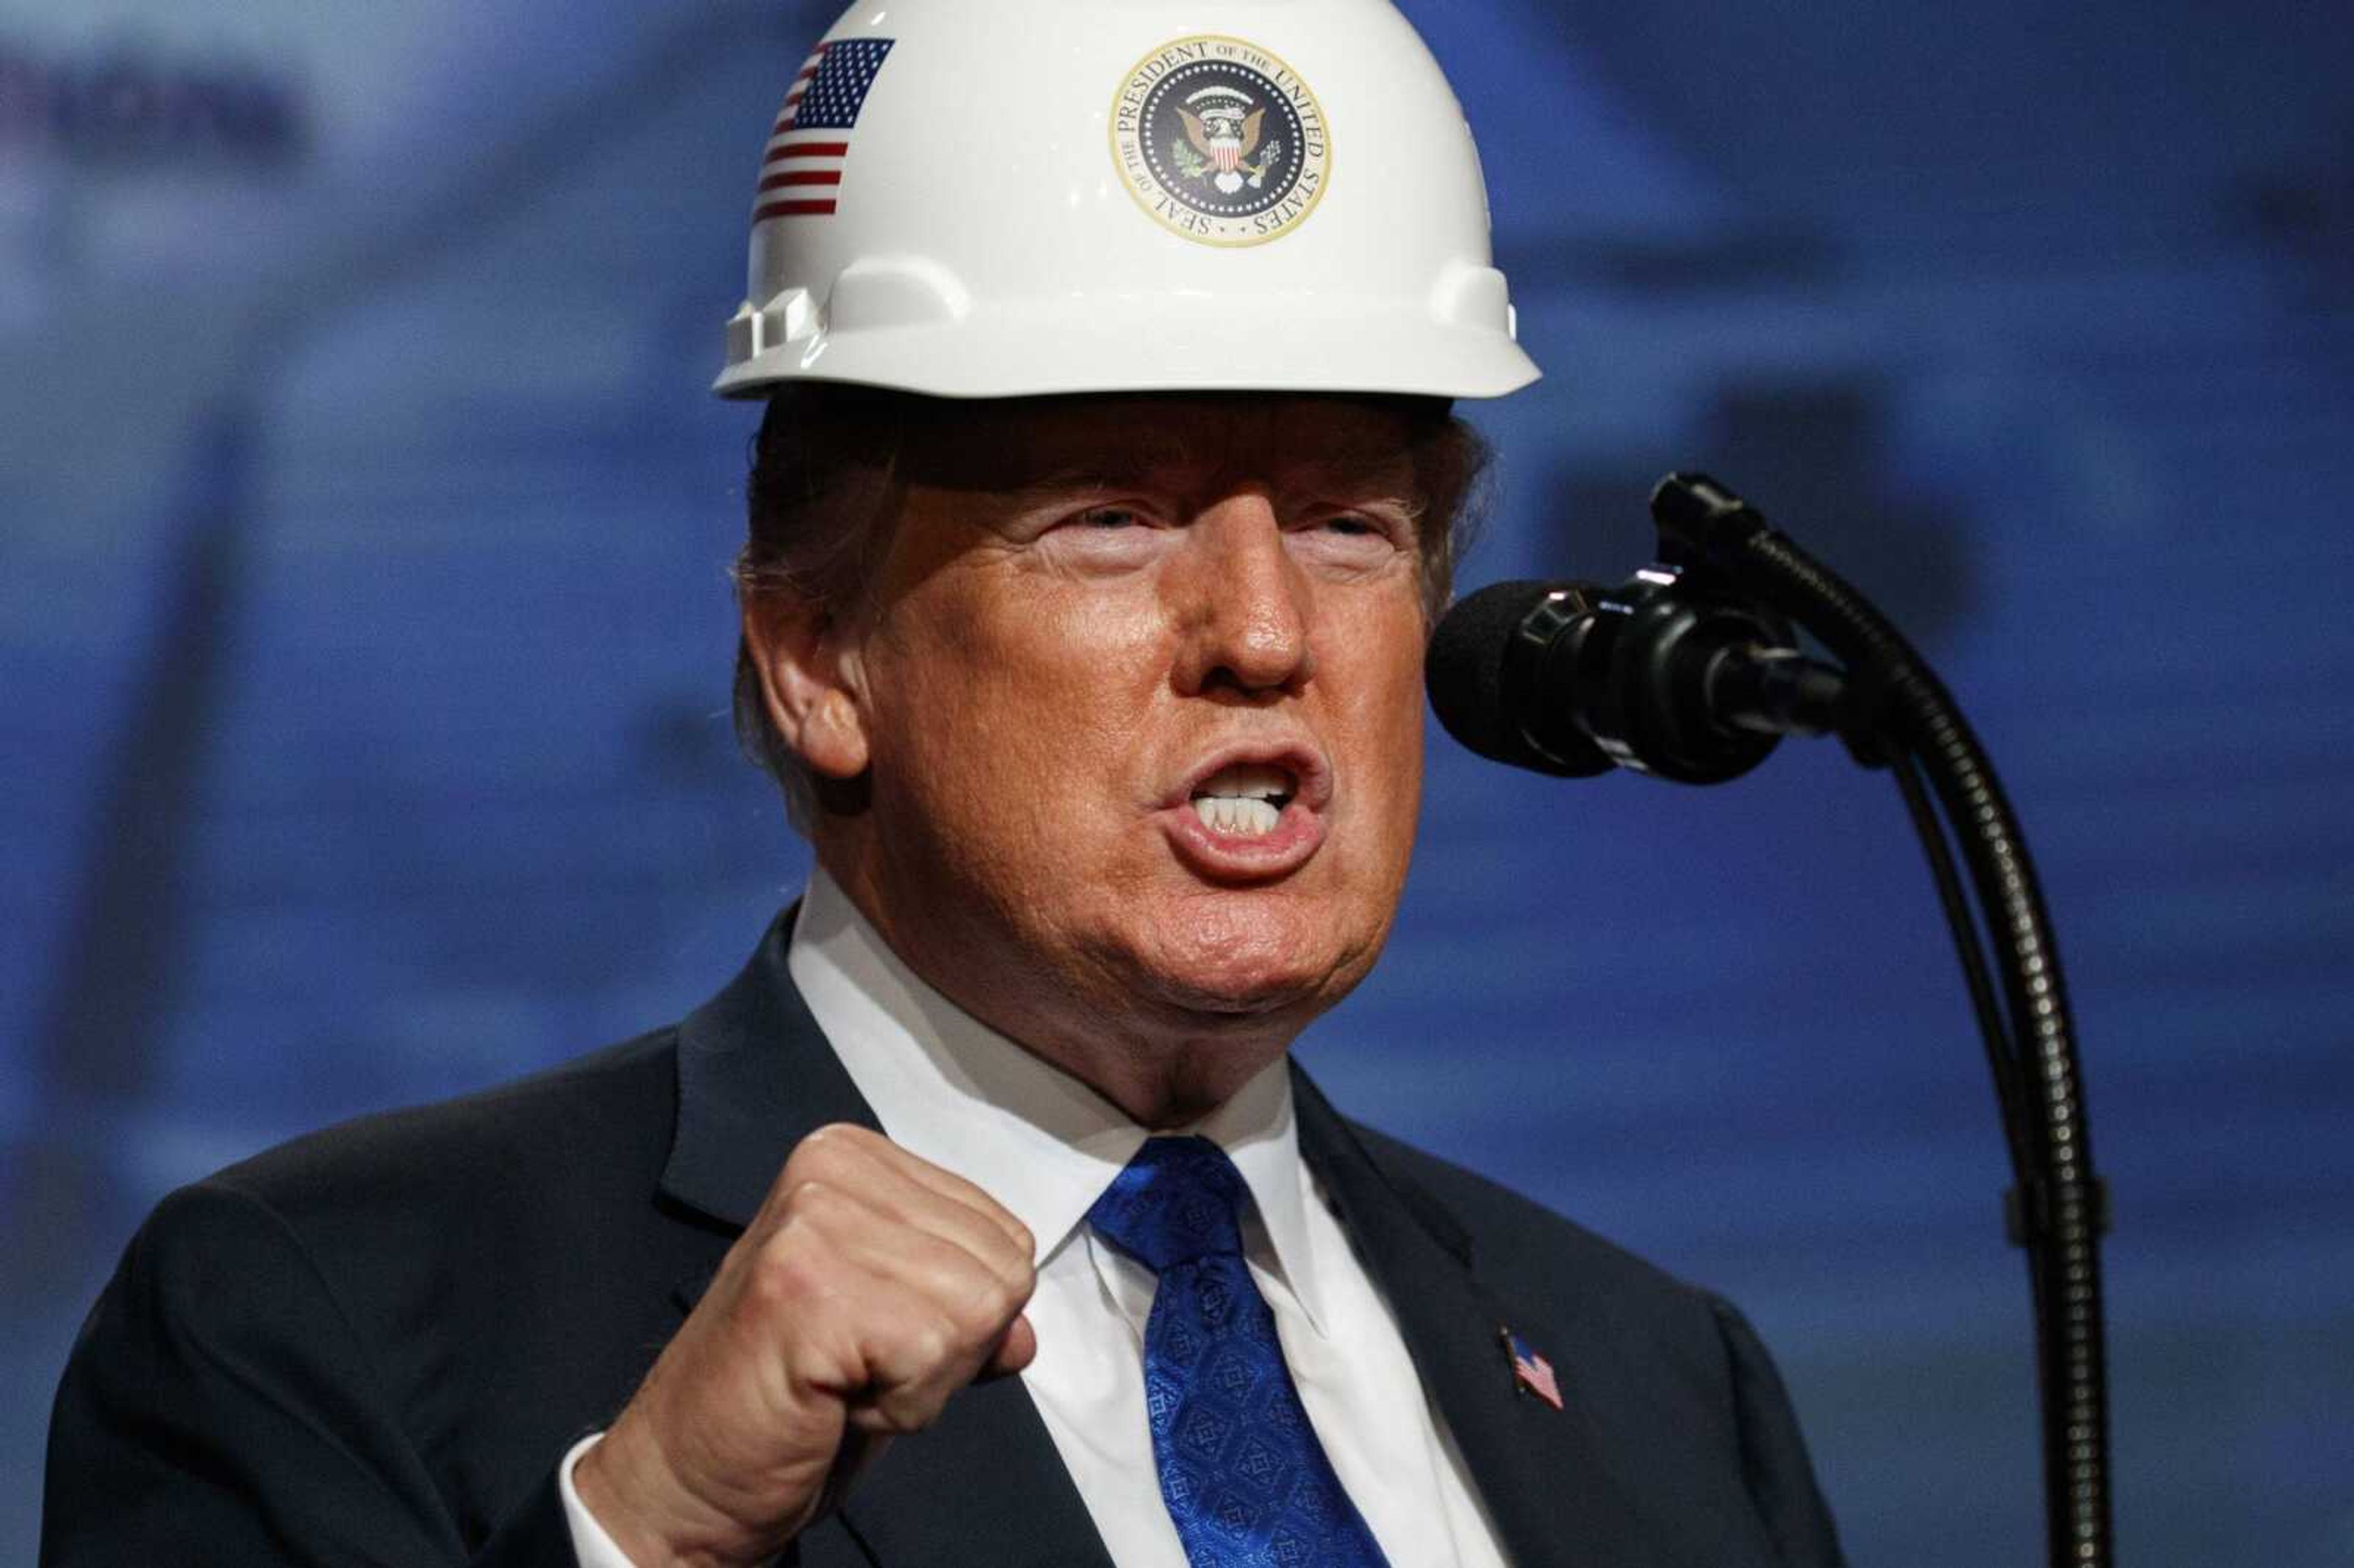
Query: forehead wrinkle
[1028, 451]
[1028, 448]
[1250, 448]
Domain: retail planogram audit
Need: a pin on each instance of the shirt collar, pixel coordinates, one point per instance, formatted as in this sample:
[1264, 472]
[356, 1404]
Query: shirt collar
[948, 1088]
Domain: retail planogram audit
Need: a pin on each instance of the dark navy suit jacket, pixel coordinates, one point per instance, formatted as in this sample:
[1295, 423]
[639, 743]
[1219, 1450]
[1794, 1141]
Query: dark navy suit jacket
[371, 1346]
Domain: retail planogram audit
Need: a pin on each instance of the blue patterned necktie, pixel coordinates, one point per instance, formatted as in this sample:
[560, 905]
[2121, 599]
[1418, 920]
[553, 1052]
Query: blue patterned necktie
[1241, 1472]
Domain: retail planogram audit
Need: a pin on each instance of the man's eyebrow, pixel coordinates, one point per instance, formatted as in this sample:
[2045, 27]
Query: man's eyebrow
[1118, 469]
[1137, 451]
[1083, 476]
[1342, 477]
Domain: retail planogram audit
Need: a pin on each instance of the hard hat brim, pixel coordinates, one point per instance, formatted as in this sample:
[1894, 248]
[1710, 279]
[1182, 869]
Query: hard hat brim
[1318, 344]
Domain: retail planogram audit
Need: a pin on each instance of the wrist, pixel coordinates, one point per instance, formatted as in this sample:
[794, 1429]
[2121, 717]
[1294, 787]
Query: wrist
[630, 1489]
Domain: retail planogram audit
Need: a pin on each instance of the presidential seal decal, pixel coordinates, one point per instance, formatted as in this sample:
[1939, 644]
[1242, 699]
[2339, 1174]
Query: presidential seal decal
[1221, 141]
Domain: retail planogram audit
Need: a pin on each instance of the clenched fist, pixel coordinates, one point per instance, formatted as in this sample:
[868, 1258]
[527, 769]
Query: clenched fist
[871, 1286]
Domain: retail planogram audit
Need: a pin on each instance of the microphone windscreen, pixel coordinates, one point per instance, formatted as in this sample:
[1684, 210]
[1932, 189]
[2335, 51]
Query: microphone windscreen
[1465, 672]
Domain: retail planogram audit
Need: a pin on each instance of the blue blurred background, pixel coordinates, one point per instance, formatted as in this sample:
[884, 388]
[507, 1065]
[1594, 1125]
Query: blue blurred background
[365, 641]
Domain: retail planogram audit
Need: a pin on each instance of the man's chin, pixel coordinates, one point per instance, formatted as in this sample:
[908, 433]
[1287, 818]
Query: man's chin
[1243, 998]
[1253, 982]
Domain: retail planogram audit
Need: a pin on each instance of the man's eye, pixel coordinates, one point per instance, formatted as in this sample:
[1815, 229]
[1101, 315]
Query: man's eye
[1108, 517]
[1355, 528]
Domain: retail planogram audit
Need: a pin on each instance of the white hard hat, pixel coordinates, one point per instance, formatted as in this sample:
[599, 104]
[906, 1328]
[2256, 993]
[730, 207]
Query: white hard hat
[1030, 197]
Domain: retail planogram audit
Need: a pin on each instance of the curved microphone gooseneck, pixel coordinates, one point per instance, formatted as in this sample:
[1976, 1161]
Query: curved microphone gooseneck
[1690, 671]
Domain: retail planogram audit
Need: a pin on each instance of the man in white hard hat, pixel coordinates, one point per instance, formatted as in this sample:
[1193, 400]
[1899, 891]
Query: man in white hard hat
[1103, 505]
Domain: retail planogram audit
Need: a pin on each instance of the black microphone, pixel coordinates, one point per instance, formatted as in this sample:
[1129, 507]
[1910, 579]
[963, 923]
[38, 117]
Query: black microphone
[1663, 675]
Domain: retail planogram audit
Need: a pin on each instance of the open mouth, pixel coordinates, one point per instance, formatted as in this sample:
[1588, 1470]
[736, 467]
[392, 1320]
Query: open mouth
[1245, 800]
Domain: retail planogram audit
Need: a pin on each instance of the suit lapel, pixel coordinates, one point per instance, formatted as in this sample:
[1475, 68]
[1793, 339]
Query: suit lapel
[1541, 1471]
[755, 1078]
[986, 1484]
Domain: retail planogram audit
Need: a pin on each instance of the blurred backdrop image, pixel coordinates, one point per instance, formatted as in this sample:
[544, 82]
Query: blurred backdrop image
[366, 640]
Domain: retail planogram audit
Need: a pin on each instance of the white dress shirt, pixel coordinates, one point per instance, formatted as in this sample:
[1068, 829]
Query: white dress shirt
[951, 1090]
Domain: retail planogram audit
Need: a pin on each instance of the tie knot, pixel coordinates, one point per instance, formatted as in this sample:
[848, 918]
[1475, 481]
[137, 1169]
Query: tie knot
[1178, 1200]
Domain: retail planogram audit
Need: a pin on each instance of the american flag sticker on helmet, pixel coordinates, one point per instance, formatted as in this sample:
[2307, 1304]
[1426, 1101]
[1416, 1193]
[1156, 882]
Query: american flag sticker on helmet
[800, 174]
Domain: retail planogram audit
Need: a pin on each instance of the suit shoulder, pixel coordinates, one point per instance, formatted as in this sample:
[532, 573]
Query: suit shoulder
[397, 1206]
[611, 1108]
[515, 1221]
[421, 1307]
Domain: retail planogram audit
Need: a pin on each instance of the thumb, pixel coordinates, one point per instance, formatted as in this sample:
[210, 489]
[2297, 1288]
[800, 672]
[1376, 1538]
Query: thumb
[1013, 1352]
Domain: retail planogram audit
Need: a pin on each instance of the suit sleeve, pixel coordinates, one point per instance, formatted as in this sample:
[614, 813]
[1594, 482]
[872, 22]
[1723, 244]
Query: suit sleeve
[220, 1410]
[1780, 1479]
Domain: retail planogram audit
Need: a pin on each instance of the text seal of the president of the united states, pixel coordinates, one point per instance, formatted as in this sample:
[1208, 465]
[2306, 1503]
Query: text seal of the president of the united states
[1221, 141]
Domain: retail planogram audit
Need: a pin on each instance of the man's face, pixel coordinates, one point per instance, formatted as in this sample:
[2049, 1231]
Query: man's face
[1140, 690]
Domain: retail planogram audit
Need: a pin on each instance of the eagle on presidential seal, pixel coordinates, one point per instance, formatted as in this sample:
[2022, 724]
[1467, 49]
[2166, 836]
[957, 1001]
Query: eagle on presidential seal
[1223, 129]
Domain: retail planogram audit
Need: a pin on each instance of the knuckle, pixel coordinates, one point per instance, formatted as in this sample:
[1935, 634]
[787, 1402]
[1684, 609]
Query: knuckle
[798, 1259]
[931, 1345]
[832, 1135]
[976, 1310]
[1014, 1281]
[810, 1200]
[824, 1147]
[905, 1414]
[988, 1308]
[785, 1276]
[812, 1151]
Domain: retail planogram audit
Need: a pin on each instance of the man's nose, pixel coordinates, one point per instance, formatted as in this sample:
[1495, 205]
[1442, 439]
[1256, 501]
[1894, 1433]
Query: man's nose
[1244, 605]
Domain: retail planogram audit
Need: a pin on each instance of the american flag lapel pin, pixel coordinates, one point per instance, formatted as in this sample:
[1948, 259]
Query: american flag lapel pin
[1531, 1373]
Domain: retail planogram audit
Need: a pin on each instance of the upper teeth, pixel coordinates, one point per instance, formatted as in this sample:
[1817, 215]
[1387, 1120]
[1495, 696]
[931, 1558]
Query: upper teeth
[1246, 780]
[1245, 799]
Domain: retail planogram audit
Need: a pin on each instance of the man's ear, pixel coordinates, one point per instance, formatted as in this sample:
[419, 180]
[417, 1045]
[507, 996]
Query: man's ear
[808, 667]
